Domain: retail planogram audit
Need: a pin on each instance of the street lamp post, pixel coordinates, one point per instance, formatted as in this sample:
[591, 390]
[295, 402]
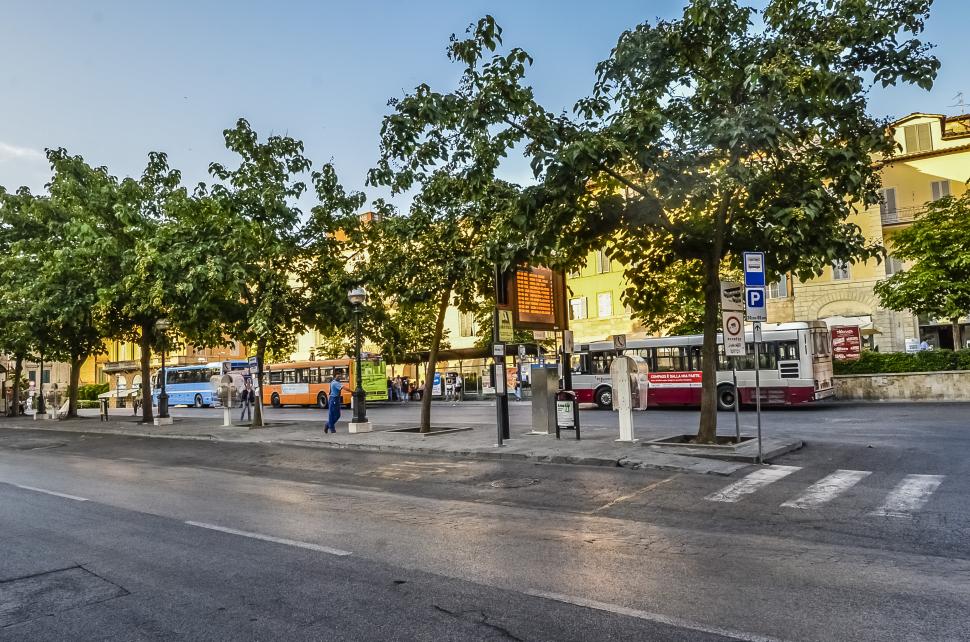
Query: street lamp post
[41, 404]
[162, 325]
[357, 298]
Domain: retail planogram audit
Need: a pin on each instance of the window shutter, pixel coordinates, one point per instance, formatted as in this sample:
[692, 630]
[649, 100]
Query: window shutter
[910, 133]
[924, 134]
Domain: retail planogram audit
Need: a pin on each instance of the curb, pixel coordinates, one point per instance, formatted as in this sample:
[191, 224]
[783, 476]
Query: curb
[690, 463]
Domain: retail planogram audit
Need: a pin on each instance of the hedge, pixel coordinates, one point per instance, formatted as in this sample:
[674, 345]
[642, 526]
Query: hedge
[92, 391]
[885, 362]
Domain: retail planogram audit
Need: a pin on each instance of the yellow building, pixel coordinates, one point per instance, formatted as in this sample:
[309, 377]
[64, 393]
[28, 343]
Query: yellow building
[933, 161]
[596, 310]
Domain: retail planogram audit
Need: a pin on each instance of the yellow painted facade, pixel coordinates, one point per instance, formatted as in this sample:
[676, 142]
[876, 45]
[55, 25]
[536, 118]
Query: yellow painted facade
[933, 161]
[596, 310]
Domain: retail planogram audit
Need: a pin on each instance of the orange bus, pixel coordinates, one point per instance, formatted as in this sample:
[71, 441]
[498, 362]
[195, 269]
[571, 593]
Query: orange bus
[307, 383]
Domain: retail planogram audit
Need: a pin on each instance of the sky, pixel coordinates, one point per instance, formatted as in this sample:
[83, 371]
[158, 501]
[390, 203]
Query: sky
[112, 80]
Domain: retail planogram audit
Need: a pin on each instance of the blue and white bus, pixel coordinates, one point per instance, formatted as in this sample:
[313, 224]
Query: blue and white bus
[188, 385]
[197, 385]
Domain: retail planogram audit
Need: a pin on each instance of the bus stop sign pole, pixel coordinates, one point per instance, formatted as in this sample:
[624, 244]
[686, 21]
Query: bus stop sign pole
[757, 385]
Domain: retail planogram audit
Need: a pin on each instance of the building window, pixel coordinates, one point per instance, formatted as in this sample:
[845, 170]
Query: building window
[940, 189]
[887, 205]
[779, 289]
[577, 308]
[893, 265]
[604, 304]
[602, 262]
[918, 138]
[840, 271]
[466, 324]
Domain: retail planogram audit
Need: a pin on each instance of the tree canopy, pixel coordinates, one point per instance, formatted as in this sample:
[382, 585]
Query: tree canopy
[938, 283]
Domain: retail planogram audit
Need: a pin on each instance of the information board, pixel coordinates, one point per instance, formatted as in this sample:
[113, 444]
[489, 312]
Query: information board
[534, 298]
[846, 342]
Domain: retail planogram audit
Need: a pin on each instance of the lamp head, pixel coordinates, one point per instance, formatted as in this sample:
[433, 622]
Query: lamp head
[357, 296]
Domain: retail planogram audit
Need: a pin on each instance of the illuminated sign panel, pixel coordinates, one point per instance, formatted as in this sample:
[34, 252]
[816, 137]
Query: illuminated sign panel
[536, 292]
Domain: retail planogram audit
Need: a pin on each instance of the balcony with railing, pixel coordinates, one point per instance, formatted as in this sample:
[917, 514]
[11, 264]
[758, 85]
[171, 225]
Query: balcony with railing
[900, 215]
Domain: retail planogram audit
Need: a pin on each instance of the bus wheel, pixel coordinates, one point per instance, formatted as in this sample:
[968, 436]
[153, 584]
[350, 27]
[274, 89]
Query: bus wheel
[198, 401]
[322, 401]
[725, 397]
[275, 400]
[604, 398]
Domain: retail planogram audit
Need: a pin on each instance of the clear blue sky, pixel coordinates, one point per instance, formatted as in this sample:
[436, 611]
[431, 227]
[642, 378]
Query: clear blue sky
[113, 79]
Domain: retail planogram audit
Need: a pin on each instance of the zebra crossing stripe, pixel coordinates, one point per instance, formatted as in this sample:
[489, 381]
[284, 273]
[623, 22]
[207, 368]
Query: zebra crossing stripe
[909, 495]
[750, 483]
[827, 488]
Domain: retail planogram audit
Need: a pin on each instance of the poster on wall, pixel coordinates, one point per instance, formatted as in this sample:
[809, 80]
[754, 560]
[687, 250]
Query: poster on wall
[846, 342]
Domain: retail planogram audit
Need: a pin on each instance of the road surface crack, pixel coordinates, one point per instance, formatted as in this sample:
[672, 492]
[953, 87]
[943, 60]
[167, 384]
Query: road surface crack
[471, 617]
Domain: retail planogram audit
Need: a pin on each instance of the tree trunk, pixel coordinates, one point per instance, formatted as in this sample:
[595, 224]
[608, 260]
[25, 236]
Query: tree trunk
[707, 430]
[258, 406]
[439, 327]
[145, 345]
[18, 371]
[76, 362]
[957, 339]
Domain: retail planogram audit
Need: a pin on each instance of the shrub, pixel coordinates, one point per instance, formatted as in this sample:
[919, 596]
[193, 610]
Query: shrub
[888, 362]
[91, 392]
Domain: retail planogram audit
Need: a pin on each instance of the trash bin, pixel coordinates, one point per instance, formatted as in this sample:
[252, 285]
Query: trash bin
[567, 412]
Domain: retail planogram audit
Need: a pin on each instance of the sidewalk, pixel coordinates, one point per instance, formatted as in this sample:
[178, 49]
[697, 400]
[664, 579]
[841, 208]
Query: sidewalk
[597, 447]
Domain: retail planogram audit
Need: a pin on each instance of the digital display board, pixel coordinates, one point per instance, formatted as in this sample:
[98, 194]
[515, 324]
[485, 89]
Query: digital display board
[535, 300]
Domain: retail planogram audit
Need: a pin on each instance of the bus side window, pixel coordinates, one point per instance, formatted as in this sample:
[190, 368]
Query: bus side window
[670, 360]
[289, 376]
[326, 375]
[302, 376]
[314, 375]
[275, 376]
[696, 358]
[342, 372]
[788, 350]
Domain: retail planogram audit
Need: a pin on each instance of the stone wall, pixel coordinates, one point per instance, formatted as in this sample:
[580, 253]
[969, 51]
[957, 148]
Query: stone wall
[905, 386]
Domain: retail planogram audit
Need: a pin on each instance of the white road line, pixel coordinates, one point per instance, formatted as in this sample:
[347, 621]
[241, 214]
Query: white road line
[652, 617]
[828, 488]
[750, 483]
[270, 538]
[52, 492]
[909, 495]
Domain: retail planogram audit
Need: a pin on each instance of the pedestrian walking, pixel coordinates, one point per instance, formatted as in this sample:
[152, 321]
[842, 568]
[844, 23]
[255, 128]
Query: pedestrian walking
[518, 387]
[398, 389]
[333, 405]
[459, 384]
[247, 397]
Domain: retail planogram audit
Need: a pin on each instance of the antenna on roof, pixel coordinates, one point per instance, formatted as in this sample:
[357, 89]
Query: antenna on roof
[960, 102]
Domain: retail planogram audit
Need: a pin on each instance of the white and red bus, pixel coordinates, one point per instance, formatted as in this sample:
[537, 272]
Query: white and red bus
[796, 367]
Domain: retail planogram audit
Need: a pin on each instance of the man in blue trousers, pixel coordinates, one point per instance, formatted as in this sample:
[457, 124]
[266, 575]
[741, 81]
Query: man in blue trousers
[333, 405]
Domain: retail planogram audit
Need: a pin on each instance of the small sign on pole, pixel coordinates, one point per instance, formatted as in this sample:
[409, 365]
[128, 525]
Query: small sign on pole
[733, 327]
[756, 304]
[619, 341]
[505, 327]
[757, 385]
[754, 269]
[732, 296]
[498, 349]
[567, 341]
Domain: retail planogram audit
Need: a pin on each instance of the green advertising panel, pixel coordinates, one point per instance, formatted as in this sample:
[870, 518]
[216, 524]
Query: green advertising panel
[374, 376]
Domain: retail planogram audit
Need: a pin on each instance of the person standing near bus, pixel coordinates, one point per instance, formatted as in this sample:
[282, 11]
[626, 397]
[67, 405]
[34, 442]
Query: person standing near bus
[333, 405]
[459, 384]
[247, 397]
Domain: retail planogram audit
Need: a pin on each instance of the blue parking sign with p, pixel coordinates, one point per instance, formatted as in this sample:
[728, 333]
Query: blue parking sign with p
[756, 304]
[756, 297]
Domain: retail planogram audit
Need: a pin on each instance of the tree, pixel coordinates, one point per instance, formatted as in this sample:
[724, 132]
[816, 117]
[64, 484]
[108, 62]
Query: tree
[938, 284]
[718, 133]
[73, 253]
[145, 264]
[17, 331]
[271, 255]
[449, 146]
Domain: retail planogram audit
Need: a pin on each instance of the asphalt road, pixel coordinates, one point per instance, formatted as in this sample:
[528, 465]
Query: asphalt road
[167, 539]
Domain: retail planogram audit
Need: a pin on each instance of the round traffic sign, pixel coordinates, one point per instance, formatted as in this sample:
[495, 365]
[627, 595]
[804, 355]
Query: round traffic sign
[733, 325]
